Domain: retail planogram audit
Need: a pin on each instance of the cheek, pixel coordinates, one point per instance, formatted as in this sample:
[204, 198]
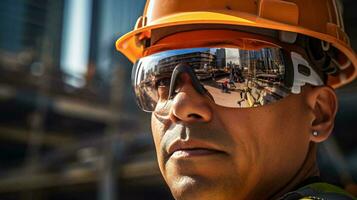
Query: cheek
[242, 126]
[266, 137]
[287, 121]
[280, 131]
[157, 130]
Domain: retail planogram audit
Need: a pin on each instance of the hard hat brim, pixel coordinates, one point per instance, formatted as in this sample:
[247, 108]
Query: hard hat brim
[130, 45]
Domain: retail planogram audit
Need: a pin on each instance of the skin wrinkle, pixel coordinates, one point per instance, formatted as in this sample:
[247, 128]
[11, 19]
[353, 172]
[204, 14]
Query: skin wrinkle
[174, 132]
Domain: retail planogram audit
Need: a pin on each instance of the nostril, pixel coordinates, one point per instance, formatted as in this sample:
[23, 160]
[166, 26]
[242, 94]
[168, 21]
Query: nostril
[195, 116]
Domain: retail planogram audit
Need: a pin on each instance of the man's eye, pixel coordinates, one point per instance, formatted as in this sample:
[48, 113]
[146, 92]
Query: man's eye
[164, 82]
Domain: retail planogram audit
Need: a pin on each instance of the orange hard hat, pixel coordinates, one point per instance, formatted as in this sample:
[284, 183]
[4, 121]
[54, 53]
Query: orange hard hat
[321, 19]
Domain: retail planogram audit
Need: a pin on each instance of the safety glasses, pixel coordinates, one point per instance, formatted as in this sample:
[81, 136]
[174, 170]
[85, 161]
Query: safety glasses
[231, 77]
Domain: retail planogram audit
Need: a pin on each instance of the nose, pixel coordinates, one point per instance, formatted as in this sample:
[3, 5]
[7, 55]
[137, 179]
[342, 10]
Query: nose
[188, 105]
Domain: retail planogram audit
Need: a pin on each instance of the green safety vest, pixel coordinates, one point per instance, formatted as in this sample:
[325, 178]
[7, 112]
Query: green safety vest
[318, 191]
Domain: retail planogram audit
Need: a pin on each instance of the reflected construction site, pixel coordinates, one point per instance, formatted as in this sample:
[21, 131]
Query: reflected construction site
[243, 78]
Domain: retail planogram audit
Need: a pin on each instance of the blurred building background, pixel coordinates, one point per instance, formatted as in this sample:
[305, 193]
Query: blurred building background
[69, 126]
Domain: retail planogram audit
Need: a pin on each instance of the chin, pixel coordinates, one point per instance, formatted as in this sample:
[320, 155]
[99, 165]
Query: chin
[198, 188]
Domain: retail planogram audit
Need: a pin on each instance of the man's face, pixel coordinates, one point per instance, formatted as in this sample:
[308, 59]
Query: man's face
[206, 151]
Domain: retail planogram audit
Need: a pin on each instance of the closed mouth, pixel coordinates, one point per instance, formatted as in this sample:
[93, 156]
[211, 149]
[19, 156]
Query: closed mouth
[192, 148]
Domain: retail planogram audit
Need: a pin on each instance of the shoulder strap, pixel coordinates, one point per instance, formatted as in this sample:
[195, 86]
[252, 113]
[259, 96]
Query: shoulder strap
[318, 191]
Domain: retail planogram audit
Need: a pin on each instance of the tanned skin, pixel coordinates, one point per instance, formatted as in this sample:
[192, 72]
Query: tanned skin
[209, 152]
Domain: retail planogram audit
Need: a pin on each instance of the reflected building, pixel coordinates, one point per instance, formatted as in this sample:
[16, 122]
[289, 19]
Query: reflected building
[195, 59]
[233, 58]
[221, 58]
[244, 58]
[263, 61]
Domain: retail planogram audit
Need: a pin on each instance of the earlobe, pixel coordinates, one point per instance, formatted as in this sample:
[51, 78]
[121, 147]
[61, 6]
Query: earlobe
[324, 106]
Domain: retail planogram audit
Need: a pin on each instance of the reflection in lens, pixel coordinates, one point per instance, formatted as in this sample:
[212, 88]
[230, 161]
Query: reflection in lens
[162, 85]
[233, 77]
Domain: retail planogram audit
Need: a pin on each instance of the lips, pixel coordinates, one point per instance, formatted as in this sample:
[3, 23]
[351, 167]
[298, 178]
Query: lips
[180, 148]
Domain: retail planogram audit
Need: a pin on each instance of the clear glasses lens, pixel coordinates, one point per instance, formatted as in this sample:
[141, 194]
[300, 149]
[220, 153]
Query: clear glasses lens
[233, 77]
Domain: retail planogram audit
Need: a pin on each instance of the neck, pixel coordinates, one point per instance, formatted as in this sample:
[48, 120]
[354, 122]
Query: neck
[308, 169]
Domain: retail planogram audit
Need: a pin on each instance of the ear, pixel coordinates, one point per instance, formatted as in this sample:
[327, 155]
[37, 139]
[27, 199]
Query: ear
[323, 103]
